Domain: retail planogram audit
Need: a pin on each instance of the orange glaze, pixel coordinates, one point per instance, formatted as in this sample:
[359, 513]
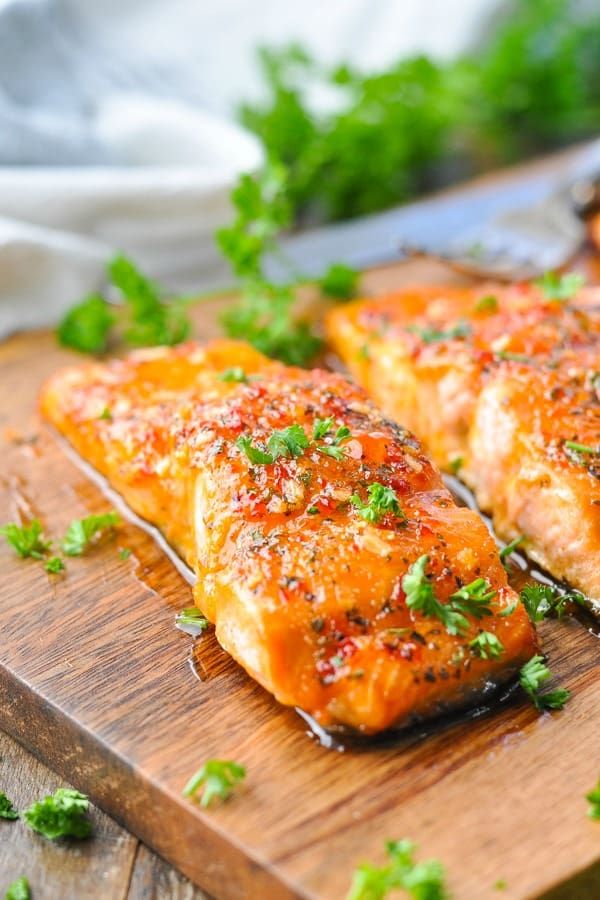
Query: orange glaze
[304, 600]
[502, 398]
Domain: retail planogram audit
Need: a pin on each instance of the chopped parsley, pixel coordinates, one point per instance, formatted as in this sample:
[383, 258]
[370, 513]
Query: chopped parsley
[473, 599]
[533, 674]
[18, 890]
[543, 600]
[577, 449]
[488, 303]
[456, 464]
[560, 287]
[293, 441]
[7, 810]
[486, 645]
[234, 374]
[381, 501]
[513, 357]
[339, 281]
[62, 814]
[420, 880]
[124, 553]
[26, 540]
[54, 565]
[510, 548]
[86, 326]
[106, 414]
[217, 777]
[191, 619]
[82, 532]
[593, 799]
[430, 335]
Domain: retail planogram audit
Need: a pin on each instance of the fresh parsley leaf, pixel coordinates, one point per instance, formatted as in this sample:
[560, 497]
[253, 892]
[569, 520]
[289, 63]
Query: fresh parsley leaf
[333, 448]
[486, 645]
[54, 565]
[82, 532]
[593, 799]
[489, 303]
[191, 619]
[339, 281]
[474, 598]
[560, 287]
[381, 500]
[6, 808]
[430, 335]
[106, 414]
[422, 881]
[152, 321]
[322, 428]
[26, 540]
[256, 455]
[218, 777]
[62, 814]
[18, 890]
[289, 442]
[86, 326]
[124, 553]
[508, 610]
[533, 674]
[513, 357]
[539, 600]
[234, 374]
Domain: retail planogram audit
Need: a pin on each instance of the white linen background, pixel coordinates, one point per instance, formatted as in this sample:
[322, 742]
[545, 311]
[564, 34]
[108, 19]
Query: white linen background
[117, 126]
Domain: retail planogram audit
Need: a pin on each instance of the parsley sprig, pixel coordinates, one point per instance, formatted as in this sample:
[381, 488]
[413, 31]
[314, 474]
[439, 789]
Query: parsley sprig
[560, 287]
[190, 619]
[486, 645]
[18, 890]
[217, 777]
[81, 533]
[420, 880]
[431, 335]
[145, 319]
[7, 811]
[543, 600]
[293, 441]
[531, 677]
[473, 599]
[27, 540]
[381, 500]
[593, 799]
[62, 814]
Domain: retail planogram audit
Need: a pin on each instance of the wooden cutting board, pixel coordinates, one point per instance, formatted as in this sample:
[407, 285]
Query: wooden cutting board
[97, 681]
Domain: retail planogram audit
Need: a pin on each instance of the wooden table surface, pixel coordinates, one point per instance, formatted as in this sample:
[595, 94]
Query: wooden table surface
[111, 865]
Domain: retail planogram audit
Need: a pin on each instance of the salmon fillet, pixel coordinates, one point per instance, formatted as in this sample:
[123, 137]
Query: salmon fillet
[302, 580]
[503, 385]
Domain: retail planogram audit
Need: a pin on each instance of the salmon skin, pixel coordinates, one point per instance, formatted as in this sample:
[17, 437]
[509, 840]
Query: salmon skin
[502, 384]
[301, 576]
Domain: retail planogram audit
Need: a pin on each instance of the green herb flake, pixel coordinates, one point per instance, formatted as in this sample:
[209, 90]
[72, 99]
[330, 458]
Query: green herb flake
[486, 304]
[18, 890]
[510, 548]
[456, 464]
[381, 501]
[472, 599]
[124, 553]
[234, 374]
[339, 281]
[217, 777]
[313, 510]
[593, 799]
[106, 414]
[81, 533]
[54, 565]
[560, 287]
[420, 880]
[26, 540]
[430, 335]
[500, 885]
[62, 814]
[86, 326]
[575, 451]
[486, 645]
[533, 674]
[6, 808]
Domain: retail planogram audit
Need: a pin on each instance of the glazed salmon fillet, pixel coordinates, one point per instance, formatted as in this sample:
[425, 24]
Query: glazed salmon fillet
[302, 510]
[502, 384]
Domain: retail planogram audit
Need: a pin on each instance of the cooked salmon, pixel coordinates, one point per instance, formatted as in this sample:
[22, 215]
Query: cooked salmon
[502, 384]
[331, 558]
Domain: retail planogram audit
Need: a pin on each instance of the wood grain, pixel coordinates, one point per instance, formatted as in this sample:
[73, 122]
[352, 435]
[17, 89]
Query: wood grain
[96, 681]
